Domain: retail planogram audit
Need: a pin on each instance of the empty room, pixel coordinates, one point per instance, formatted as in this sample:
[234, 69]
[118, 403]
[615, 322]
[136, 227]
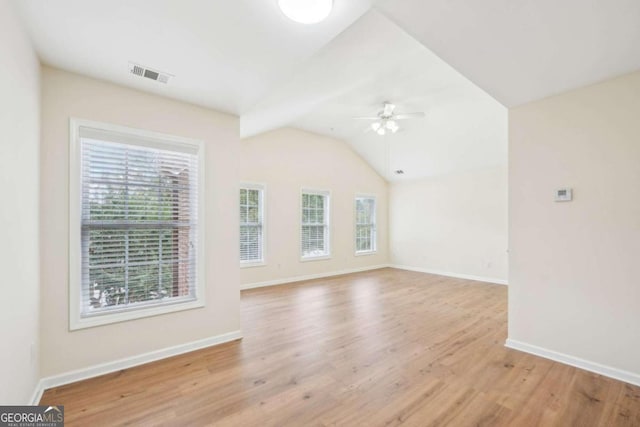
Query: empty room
[320, 213]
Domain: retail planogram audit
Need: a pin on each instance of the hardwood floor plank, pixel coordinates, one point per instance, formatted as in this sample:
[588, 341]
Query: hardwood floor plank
[380, 348]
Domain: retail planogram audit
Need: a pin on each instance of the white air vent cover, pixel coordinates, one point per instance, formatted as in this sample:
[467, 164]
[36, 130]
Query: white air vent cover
[149, 73]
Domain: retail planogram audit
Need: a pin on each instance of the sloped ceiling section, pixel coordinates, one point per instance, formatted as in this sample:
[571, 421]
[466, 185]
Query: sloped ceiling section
[357, 57]
[224, 54]
[459, 61]
[521, 51]
[464, 128]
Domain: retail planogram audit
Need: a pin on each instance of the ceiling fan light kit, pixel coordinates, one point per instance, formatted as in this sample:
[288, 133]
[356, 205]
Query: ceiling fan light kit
[383, 126]
[306, 11]
[386, 120]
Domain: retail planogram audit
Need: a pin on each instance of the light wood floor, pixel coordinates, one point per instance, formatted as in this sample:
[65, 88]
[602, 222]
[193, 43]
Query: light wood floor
[380, 348]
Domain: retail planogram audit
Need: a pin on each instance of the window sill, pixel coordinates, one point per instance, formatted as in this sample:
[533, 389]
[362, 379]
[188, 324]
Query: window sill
[364, 253]
[106, 318]
[250, 264]
[315, 258]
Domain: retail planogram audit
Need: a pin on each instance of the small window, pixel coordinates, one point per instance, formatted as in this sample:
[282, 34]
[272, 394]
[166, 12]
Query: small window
[251, 224]
[365, 225]
[315, 241]
[136, 236]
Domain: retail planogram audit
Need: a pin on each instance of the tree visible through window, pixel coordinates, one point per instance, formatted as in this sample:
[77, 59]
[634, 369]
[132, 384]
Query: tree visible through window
[251, 227]
[139, 221]
[365, 224]
[315, 224]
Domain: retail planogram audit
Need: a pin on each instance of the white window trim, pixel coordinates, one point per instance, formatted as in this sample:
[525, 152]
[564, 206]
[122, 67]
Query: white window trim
[258, 186]
[355, 225]
[76, 321]
[326, 193]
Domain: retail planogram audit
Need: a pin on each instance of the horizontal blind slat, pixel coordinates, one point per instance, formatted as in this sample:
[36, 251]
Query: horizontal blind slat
[365, 237]
[314, 224]
[251, 218]
[139, 221]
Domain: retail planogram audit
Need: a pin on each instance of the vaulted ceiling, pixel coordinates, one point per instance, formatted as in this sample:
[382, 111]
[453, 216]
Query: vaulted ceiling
[524, 50]
[463, 62]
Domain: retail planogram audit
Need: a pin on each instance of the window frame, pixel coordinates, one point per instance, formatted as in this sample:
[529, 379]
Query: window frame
[327, 226]
[143, 138]
[248, 185]
[374, 224]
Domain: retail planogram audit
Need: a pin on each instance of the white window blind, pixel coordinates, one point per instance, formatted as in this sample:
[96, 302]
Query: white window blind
[315, 224]
[365, 224]
[139, 221]
[251, 224]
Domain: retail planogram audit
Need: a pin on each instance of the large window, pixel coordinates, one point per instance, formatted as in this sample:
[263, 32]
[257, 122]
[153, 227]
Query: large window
[365, 225]
[251, 225]
[315, 225]
[135, 229]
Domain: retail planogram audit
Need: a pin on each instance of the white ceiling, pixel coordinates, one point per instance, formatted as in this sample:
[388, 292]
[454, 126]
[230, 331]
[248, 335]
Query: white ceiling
[464, 128]
[523, 50]
[224, 53]
[246, 58]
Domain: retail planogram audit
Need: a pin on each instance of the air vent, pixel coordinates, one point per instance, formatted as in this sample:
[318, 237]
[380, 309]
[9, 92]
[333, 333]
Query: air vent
[149, 73]
[138, 71]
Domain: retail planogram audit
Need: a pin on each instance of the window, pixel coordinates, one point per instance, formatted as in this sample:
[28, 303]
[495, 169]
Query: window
[315, 225]
[136, 230]
[365, 224]
[251, 225]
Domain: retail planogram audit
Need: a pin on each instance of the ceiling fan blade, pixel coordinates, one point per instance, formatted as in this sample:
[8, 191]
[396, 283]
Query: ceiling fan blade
[366, 118]
[409, 116]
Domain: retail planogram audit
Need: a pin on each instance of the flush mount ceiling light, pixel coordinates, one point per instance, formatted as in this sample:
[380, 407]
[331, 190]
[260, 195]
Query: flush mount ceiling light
[306, 11]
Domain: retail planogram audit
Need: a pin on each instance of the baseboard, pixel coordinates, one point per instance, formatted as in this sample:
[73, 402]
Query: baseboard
[310, 277]
[37, 394]
[449, 274]
[129, 362]
[607, 371]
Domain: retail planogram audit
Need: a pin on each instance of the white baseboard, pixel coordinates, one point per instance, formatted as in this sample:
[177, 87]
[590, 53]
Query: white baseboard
[128, 362]
[37, 394]
[607, 371]
[310, 277]
[449, 274]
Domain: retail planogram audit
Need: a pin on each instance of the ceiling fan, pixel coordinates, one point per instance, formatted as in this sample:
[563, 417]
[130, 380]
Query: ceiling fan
[386, 120]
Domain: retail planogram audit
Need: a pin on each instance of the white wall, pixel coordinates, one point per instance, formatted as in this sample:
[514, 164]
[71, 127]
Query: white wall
[452, 224]
[574, 267]
[19, 214]
[288, 160]
[68, 95]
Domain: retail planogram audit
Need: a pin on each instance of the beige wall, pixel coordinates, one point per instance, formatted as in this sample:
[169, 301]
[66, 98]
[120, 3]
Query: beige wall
[288, 160]
[574, 267]
[452, 224]
[68, 95]
[19, 215]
